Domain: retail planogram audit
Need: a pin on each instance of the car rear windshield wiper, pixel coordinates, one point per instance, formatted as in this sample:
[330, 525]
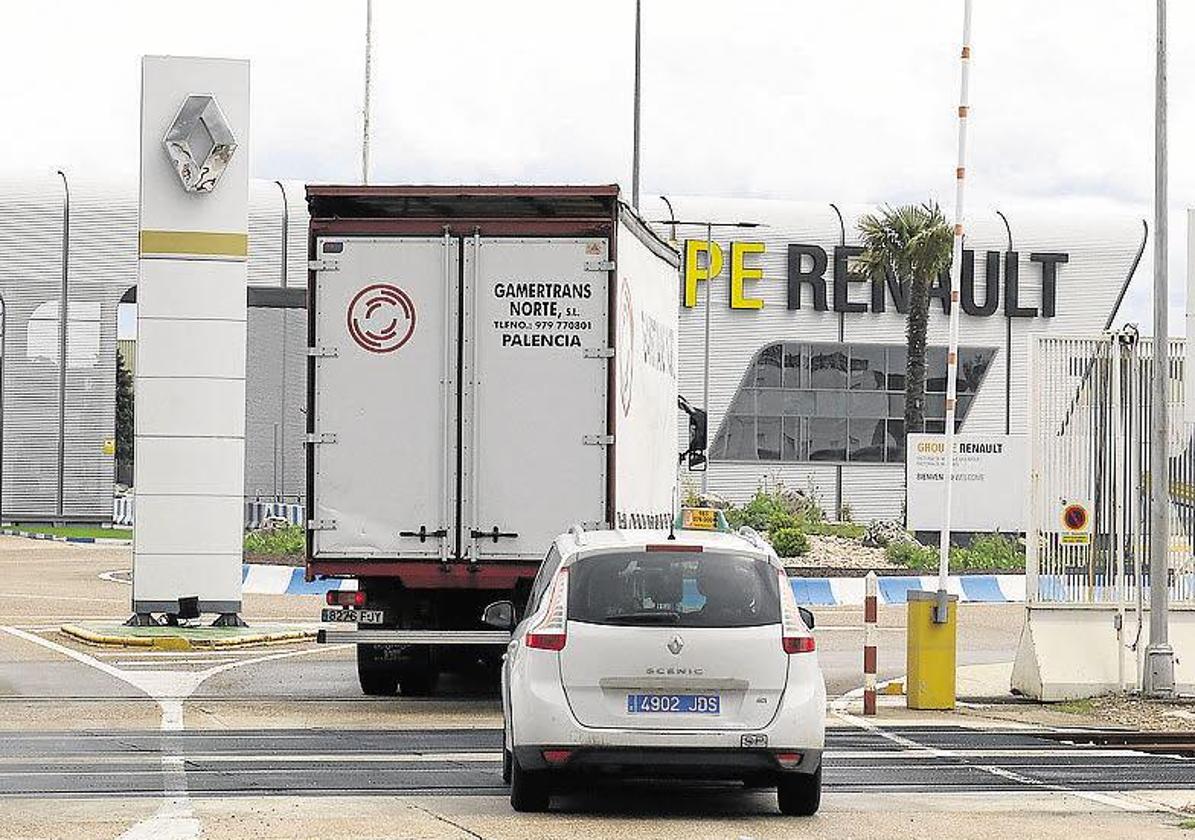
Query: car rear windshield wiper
[645, 617]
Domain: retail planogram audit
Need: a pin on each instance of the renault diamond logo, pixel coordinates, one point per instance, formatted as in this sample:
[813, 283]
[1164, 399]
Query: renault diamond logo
[200, 143]
[675, 645]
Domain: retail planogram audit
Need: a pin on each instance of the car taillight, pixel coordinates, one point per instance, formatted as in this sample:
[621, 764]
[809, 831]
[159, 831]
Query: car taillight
[557, 756]
[788, 760]
[345, 598]
[551, 633]
[794, 635]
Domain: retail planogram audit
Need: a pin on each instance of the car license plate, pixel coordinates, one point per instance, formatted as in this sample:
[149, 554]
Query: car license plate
[686, 704]
[359, 616]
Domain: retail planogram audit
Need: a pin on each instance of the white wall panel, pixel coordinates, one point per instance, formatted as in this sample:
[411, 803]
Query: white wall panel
[188, 466]
[191, 407]
[181, 524]
[190, 348]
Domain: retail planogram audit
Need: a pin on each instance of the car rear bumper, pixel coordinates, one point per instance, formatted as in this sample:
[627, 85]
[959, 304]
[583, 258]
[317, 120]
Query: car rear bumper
[669, 762]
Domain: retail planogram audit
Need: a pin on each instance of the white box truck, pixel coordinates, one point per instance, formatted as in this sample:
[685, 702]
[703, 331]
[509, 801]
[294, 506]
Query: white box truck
[487, 366]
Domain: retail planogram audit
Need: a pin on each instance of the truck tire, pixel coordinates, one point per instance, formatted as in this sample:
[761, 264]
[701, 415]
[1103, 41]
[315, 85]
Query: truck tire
[799, 794]
[417, 679]
[530, 791]
[378, 677]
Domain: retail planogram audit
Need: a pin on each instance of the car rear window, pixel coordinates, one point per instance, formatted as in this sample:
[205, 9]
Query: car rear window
[673, 589]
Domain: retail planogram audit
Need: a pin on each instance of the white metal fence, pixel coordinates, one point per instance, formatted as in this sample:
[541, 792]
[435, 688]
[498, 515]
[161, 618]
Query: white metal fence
[1089, 413]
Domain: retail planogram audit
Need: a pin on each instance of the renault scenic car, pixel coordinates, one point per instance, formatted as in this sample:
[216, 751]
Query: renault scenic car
[652, 654]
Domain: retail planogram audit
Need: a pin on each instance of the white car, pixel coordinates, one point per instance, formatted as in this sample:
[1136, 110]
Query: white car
[647, 654]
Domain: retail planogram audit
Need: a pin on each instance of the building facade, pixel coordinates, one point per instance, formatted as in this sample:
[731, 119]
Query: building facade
[69, 239]
[806, 359]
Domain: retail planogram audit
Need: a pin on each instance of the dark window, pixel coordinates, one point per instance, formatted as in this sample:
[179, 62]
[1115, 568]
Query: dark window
[673, 590]
[837, 402]
[868, 367]
[546, 570]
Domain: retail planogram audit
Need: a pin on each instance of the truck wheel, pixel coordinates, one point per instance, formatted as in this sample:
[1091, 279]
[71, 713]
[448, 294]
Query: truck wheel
[377, 677]
[800, 794]
[418, 680]
[530, 791]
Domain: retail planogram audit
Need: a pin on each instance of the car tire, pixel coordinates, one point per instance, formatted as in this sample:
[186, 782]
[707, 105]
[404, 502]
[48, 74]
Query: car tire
[376, 675]
[506, 766]
[417, 680]
[530, 791]
[799, 794]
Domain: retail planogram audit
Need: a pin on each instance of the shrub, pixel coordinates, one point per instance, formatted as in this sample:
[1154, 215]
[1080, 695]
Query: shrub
[911, 554]
[846, 530]
[988, 552]
[288, 540]
[790, 542]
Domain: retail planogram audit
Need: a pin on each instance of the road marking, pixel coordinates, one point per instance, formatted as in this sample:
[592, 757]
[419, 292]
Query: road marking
[1120, 801]
[151, 663]
[26, 596]
[48, 765]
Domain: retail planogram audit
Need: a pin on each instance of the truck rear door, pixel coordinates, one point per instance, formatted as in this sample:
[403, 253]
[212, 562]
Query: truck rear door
[535, 371]
[384, 397]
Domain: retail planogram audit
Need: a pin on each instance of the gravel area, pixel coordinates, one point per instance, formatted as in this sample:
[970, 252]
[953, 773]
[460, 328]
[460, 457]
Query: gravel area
[1108, 712]
[840, 553]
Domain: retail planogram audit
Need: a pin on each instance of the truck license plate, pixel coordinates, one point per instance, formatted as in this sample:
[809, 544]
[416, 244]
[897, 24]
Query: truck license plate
[701, 704]
[359, 616]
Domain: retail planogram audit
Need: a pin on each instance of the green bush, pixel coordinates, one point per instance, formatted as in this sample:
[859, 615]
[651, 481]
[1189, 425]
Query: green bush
[848, 530]
[790, 542]
[288, 540]
[987, 552]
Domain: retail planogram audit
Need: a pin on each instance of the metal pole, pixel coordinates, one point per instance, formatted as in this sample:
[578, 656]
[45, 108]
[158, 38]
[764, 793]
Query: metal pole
[956, 267]
[705, 398]
[1159, 656]
[635, 151]
[365, 110]
[63, 326]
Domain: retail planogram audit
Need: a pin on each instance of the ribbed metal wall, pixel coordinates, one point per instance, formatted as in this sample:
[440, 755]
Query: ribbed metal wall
[30, 282]
[101, 267]
[1101, 253]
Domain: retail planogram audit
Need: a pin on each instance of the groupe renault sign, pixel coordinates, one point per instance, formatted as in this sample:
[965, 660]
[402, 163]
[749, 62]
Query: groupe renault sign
[808, 283]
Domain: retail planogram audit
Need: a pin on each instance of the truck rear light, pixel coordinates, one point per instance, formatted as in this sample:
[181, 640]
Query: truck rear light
[798, 644]
[552, 632]
[674, 547]
[557, 756]
[795, 636]
[345, 598]
[788, 760]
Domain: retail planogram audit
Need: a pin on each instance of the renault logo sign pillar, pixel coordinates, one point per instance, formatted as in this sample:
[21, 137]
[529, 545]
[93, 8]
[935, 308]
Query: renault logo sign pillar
[190, 379]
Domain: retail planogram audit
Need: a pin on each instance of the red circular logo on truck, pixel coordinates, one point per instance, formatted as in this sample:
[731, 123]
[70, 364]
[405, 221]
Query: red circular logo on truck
[381, 318]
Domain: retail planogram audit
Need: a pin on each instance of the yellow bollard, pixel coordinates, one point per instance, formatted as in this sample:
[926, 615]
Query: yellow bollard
[931, 652]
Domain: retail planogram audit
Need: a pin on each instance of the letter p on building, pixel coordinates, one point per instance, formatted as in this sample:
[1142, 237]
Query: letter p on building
[703, 261]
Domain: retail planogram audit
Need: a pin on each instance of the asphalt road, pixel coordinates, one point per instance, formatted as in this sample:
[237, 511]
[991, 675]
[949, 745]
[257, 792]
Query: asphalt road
[909, 760]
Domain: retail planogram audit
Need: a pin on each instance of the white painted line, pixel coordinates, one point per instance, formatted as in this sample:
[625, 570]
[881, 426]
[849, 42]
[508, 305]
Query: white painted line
[34, 596]
[153, 663]
[49, 764]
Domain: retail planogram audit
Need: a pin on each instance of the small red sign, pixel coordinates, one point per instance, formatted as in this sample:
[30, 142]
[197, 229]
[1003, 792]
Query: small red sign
[1074, 517]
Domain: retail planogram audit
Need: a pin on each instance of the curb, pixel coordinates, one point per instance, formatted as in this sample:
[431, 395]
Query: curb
[34, 535]
[181, 642]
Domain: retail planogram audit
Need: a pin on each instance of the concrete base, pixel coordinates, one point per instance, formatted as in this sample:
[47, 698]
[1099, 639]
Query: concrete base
[1069, 651]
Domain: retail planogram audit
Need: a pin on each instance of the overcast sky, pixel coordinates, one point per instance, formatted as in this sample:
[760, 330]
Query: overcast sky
[841, 100]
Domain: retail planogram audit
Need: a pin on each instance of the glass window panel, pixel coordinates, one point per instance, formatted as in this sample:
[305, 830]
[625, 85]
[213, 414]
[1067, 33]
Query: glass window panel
[827, 366]
[935, 370]
[896, 405]
[896, 441]
[740, 438]
[769, 401]
[792, 444]
[744, 402]
[793, 365]
[963, 408]
[827, 439]
[897, 360]
[867, 405]
[798, 402]
[829, 403]
[935, 427]
[972, 365]
[935, 405]
[767, 367]
[867, 367]
[718, 450]
[767, 438]
[866, 438]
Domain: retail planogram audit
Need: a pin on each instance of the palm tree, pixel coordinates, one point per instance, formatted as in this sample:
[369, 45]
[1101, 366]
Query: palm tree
[913, 245]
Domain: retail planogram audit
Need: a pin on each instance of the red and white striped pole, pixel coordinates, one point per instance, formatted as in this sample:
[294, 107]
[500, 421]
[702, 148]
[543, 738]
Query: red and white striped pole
[870, 616]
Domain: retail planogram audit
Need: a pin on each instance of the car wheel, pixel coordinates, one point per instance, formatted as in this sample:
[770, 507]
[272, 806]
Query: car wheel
[417, 680]
[530, 791]
[800, 794]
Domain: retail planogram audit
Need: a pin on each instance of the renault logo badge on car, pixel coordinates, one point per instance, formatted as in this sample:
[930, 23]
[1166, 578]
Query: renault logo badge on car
[675, 645]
